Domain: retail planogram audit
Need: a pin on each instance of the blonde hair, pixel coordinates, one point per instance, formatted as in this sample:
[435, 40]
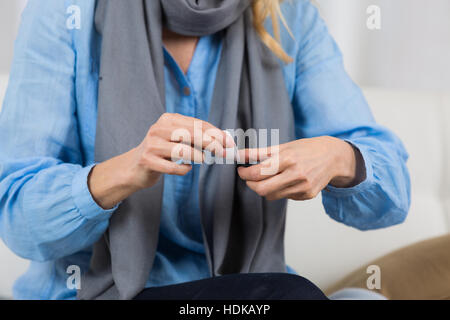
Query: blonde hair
[263, 9]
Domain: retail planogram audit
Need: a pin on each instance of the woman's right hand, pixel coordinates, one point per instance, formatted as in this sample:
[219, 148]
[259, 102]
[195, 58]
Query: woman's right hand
[173, 137]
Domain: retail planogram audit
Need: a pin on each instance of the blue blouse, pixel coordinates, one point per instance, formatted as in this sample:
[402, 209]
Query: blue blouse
[47, 134]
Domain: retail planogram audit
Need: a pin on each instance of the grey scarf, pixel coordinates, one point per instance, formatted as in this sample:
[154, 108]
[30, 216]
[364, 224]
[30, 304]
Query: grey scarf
[242, 231]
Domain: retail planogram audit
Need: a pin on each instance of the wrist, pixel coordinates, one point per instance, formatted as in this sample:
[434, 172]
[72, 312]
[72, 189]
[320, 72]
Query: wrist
[131, 171]
[344, 164]
[112, 181]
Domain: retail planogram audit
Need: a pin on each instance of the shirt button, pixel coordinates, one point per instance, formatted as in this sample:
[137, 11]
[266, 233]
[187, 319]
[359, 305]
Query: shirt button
[186, 91]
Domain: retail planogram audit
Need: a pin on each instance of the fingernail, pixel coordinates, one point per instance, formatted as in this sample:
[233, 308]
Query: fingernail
[229, 140]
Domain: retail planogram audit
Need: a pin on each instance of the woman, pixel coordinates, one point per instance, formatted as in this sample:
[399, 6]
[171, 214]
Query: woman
[92, 117]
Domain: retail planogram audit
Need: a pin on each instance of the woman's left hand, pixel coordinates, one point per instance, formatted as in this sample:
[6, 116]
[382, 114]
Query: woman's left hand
[299, 170]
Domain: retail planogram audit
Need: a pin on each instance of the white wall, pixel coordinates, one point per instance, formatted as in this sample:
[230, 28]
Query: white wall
[11, 266]
[9, 21]
[410, 51]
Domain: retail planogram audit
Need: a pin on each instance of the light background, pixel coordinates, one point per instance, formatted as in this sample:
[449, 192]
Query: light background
[411, 52]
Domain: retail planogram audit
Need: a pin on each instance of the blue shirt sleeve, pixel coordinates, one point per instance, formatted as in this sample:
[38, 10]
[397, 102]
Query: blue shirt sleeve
[46, 209]
[327, 102]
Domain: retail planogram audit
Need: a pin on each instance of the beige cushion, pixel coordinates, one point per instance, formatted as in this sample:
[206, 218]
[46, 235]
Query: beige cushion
[419, 271]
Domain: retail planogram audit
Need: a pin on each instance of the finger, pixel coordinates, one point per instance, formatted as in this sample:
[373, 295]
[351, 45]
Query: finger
[203, 133]
[254, 155]
[258, 172]
[212, 140]
[300, 191]
[270, 167]
[178, 151]
[169, 167]
[184, 135]
[272, 185]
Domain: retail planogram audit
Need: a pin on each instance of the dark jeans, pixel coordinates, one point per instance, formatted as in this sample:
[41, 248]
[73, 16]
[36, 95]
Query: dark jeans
[254, 286]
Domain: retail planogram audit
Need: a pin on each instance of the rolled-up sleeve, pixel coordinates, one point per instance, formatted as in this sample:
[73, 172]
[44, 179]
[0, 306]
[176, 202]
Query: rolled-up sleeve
[46, 209]
[328, 102]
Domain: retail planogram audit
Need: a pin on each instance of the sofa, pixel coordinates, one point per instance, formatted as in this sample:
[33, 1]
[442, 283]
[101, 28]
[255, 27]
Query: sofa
[325, 251]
